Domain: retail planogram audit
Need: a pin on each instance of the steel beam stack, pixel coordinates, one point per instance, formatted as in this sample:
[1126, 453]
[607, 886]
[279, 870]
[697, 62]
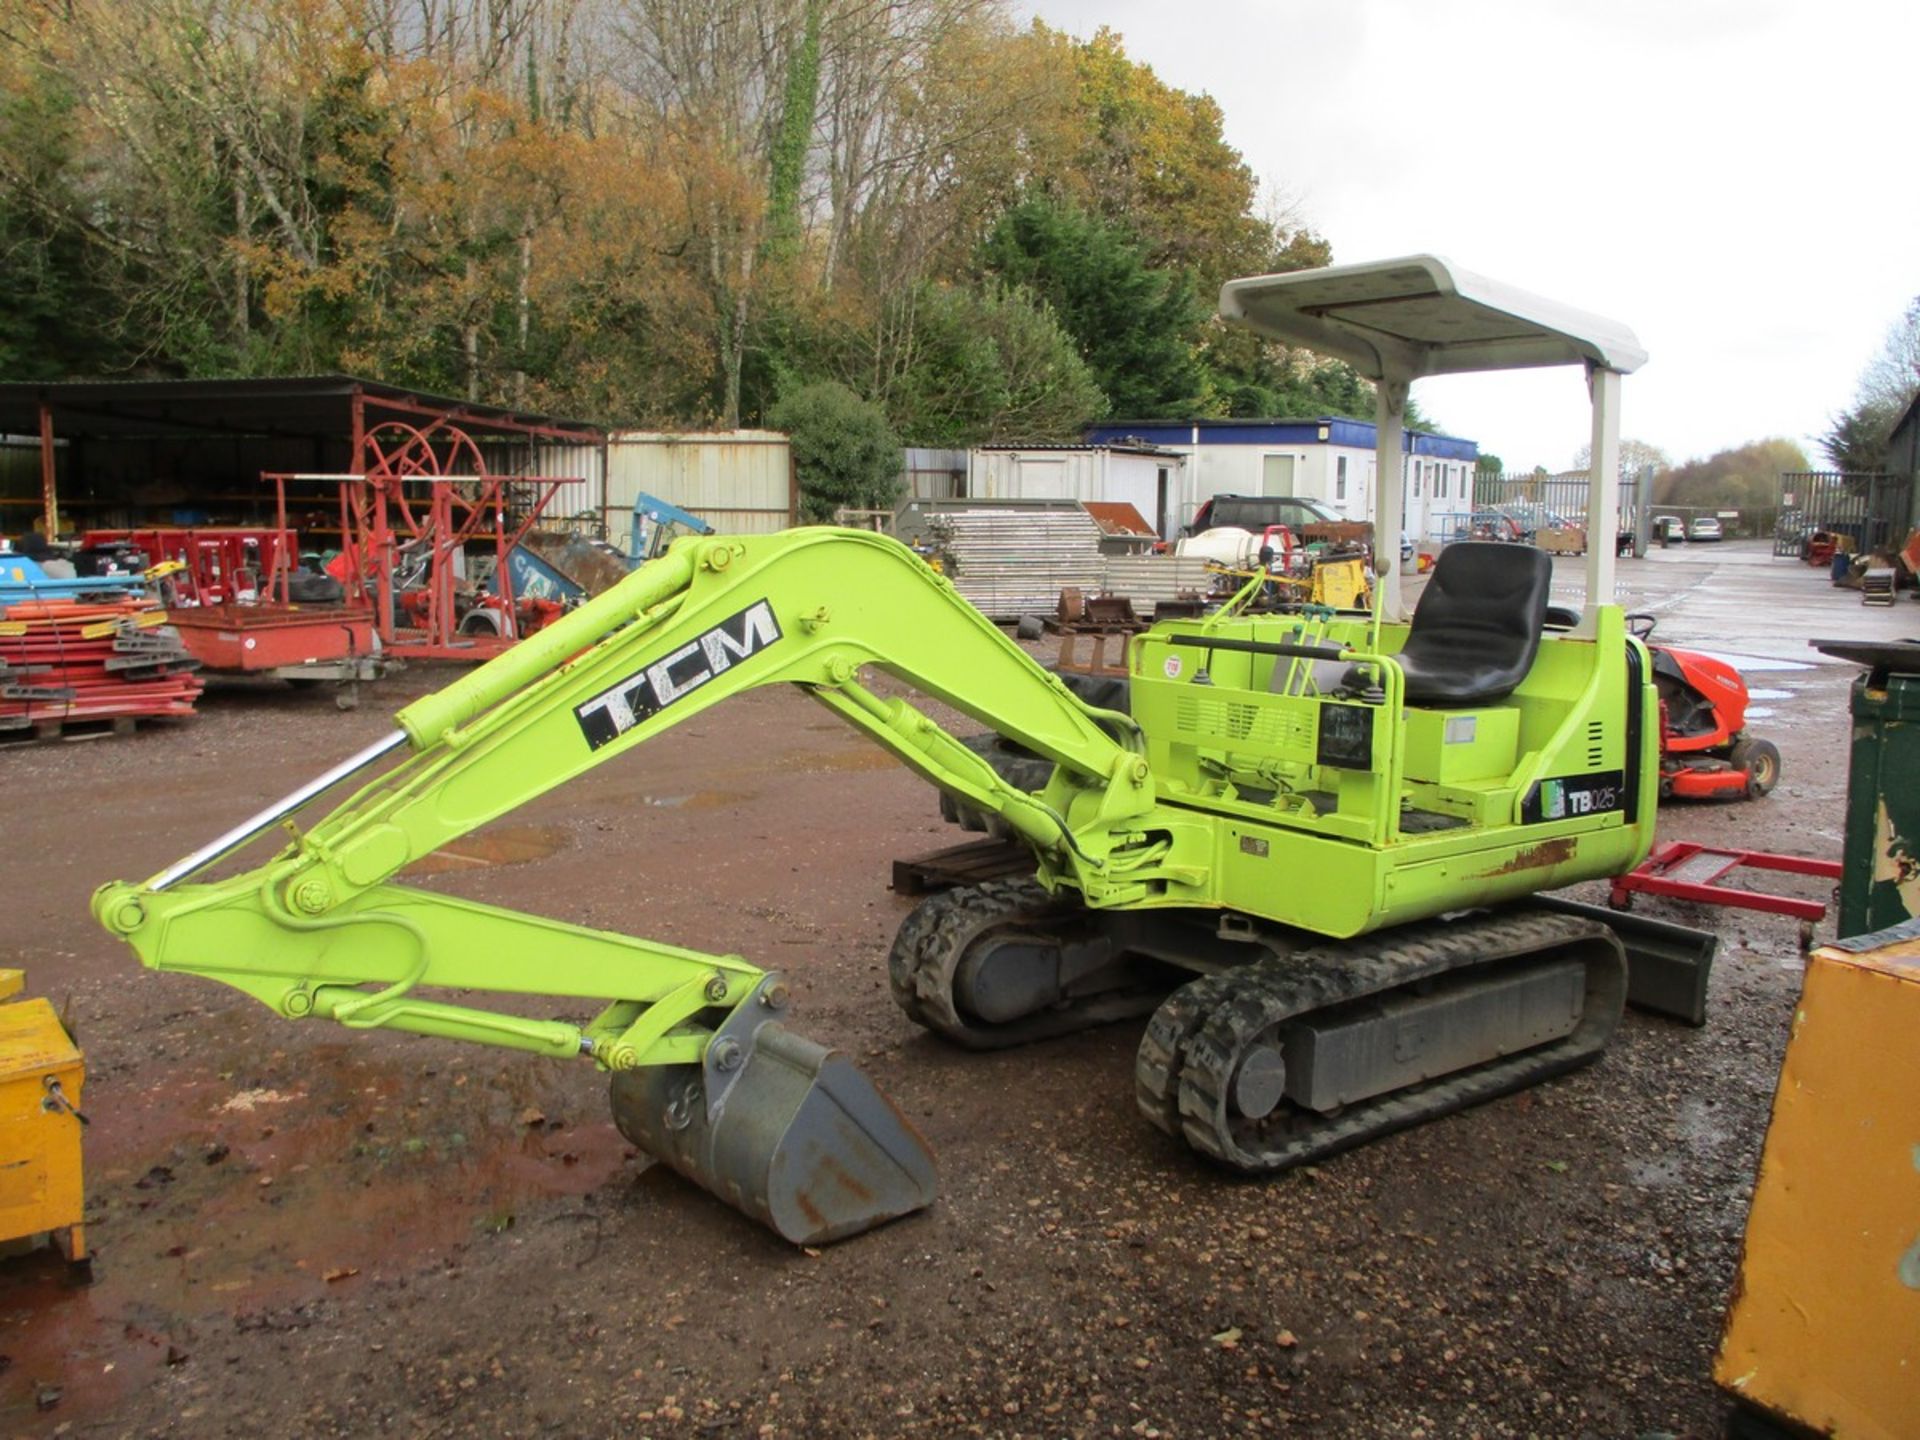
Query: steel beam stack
[66, 661]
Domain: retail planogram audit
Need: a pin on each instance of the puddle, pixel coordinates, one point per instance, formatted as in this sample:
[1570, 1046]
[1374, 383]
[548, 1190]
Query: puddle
[696, 800]
[1757, 693]
[504, 845]
[372, 1173]
[1760, 712]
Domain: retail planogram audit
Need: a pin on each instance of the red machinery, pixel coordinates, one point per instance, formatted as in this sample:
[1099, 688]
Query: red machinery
[232, 603]
[222, 564]
[425, 510]
[297, 642]
[1705, 752]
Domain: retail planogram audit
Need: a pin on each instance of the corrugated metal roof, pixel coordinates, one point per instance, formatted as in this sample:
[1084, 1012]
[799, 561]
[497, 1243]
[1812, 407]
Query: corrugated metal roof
[293, 406]
[1124, 446]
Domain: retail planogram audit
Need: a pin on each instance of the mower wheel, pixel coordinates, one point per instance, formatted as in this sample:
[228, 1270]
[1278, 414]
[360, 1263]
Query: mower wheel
[1761, 760]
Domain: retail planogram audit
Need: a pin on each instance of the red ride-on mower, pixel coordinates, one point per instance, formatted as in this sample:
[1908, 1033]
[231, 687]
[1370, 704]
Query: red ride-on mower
[1705, 752]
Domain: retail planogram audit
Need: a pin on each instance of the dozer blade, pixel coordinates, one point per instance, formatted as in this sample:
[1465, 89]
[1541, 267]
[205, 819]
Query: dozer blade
[800, 1139]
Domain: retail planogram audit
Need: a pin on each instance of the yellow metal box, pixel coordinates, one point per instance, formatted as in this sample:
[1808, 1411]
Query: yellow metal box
[1452, 747]
[1824, 1329]
[41, 1083]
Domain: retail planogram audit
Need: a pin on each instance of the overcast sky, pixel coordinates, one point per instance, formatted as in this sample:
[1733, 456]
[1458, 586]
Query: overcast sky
[1733, 179]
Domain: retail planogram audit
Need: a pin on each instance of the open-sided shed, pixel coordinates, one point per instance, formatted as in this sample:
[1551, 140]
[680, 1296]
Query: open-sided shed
[121, 452]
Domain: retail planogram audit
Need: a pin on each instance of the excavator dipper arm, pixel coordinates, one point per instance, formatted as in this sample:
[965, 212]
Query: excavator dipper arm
[712, 1082]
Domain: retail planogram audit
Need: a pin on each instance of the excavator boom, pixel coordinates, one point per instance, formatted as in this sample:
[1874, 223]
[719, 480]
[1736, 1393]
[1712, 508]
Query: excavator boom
[714, 1084]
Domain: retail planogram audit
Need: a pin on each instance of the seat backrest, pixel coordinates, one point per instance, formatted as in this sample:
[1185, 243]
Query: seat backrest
[1477, 626]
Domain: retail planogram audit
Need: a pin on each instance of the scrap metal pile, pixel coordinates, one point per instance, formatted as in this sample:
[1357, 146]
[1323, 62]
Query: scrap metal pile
[86, 656]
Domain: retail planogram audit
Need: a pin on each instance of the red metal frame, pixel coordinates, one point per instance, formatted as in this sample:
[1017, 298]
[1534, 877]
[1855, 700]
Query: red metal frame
[427, 488]
[1656, 876]
[215, 556]
[49, 498]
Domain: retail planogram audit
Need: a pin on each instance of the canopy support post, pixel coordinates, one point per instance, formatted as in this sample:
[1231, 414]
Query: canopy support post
[1603, 493]
[1388, 494]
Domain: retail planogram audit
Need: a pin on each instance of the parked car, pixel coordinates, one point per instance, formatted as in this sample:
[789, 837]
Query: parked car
[1704, 527]
[1532, 518]
[1256, 512]
[1488, 525]
[1670, 526]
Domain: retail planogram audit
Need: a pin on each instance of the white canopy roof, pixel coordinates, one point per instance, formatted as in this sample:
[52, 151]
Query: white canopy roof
[1423, 315]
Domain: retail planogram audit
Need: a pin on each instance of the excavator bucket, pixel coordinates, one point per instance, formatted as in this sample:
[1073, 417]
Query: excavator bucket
[800, 1139]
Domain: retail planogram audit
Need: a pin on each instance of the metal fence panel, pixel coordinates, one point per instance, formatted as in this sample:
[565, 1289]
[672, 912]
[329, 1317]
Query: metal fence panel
[1870, 510]
[1148, 579]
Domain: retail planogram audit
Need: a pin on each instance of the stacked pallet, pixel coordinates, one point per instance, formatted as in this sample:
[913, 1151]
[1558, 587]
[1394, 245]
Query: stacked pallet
[64, 663]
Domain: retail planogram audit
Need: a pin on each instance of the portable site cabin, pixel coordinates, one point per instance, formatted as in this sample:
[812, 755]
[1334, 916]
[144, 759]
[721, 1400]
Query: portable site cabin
[1150, 478]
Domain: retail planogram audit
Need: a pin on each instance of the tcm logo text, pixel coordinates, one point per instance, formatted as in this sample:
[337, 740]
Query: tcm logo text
[614, 711]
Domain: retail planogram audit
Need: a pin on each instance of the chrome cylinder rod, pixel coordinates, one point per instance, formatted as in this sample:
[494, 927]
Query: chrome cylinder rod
[274, 813]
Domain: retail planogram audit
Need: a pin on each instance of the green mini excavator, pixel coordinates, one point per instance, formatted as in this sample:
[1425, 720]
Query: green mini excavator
[1310, 852]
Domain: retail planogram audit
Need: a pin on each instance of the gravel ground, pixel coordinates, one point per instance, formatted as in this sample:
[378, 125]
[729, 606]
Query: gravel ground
[303, 1232]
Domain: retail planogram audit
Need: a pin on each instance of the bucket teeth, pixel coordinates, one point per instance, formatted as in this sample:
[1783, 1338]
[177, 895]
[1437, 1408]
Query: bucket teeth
[802, 1141]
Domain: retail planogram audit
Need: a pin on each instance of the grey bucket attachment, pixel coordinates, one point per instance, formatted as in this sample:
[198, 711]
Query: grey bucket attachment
[799, 1139]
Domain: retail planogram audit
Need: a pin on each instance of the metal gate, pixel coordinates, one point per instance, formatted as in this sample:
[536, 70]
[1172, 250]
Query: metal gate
[1870, 510]
[1534, 502]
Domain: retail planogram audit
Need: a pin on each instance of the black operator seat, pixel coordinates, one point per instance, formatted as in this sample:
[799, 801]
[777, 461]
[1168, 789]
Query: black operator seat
[1477, 626]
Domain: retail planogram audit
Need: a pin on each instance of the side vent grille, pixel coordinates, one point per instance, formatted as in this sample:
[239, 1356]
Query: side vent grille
[1219, 721]
[1596, 738]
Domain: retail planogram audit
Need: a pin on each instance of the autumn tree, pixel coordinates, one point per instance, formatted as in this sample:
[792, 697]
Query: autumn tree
[1745, 478]
[1635, 456]
[663, 212]
[1155, 159]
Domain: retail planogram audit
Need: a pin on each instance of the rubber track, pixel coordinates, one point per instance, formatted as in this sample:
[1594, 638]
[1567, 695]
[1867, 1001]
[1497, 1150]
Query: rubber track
[1156, 1068]
[1193, 1045]
[935, 937]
